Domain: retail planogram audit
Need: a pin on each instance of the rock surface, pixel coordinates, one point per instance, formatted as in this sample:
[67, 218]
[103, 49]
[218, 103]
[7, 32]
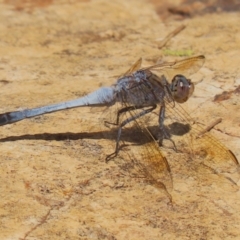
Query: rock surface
[55, 183]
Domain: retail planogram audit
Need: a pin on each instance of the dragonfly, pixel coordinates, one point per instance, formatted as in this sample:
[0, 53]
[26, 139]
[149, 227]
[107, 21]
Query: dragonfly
[136, 94]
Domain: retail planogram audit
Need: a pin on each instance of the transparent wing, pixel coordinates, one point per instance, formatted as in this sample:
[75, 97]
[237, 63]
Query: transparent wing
[211, 156]
[186, 67]
[137, 146]
[136, 66]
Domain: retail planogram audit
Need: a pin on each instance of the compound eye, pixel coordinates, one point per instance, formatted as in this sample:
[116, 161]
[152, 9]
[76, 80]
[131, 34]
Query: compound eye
[181, 88]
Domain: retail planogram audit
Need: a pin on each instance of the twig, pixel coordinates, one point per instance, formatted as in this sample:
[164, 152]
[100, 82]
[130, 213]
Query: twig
[209, 127]
[170, 35]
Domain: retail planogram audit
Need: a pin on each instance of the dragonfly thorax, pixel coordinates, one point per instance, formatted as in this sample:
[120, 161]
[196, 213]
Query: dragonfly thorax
[181, 88]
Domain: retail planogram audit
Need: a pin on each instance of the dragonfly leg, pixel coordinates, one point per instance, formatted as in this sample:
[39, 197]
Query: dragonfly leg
[163, 134]
[122, 110]
[125, 122]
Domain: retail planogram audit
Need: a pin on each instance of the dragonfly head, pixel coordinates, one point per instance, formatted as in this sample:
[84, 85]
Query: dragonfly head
[181, 88]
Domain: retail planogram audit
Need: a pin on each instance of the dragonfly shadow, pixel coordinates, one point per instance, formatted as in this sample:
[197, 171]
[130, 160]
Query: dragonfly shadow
[130, 134]
[178, 129]
[57, 136]
[109, 134]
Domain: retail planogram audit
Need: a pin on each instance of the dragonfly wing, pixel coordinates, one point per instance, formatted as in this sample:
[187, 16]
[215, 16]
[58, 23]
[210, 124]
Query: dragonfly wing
[142, 150]
[185, 67]
[202, 147]
[136, 66]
